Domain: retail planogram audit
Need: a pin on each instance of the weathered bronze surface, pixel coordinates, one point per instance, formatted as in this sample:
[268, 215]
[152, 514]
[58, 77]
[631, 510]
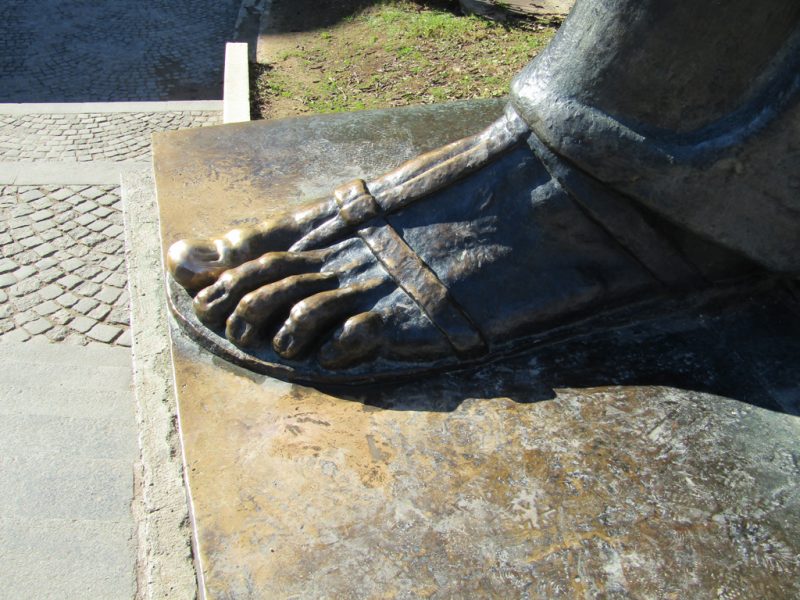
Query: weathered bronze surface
[657, 461]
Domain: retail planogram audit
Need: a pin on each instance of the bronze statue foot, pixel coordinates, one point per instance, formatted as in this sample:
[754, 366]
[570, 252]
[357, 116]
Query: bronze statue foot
[501, 258]
[196, 263]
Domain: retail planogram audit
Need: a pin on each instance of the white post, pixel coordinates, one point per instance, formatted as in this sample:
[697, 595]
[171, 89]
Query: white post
[236, 93]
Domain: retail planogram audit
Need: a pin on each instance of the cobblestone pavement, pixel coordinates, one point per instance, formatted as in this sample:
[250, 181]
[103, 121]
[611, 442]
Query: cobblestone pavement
[62, 271]
[90, 136]
[115, 50]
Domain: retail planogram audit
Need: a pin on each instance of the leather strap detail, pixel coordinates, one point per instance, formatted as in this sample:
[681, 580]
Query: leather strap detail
[425, 288]
[356, 204]
[619, 217]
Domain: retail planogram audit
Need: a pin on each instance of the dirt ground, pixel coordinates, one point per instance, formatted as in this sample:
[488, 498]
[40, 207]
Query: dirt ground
[331, 56]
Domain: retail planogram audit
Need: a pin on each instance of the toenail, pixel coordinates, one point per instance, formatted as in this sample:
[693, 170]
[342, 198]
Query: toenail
[239, 331]
[215, 293]
[284, 344]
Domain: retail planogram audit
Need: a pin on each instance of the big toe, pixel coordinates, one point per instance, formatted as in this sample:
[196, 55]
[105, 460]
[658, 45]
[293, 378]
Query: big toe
[197, 263]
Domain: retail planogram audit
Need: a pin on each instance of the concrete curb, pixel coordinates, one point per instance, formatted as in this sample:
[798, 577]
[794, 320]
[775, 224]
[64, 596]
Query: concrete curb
[110, 107]
[67, 173]
[165, 568]
[236, 103]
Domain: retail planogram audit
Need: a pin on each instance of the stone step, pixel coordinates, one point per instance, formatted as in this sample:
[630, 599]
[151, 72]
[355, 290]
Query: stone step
[31, 398]
[53, 487]
[65, 558]
[56, 354]
[68, 444]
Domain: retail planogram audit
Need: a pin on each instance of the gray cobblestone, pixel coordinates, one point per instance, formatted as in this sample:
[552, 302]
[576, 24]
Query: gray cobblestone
[119, 137]
[76, 294]
[103, 333]
[77, 51]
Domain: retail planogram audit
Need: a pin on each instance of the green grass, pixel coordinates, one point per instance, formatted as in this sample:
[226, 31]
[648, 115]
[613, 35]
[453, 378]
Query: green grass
[395, 53]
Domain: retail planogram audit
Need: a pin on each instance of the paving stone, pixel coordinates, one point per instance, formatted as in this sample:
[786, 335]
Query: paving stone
[109, 246]
[47, 308]
[31, 242]
[88, 288]
[16, 335]
[19, 223]
[67, 299]
[82, 324]
[100, 312]
[41, 215]
[61, 194]
[42, 226]
[123, 299]
[57, 333]
[38, 326]
[107, 200]
[21, 318]
[85, 207]
[24, 287]
[30, 195]
[50, 275]
[85, 219]
[124, 339]
[24, 272]
[102, 211]
[6, 265]
[75, 339]
[61, 317]
[71, 264]
[24, 303]
[45, 249]
[119, 280]
[46, 263]
[112, 262]
[101, 225]
[103, 333]
[84, 305]
[92, 192]
[51, 292]
[7, 279]
[69, 281]
[108, 294]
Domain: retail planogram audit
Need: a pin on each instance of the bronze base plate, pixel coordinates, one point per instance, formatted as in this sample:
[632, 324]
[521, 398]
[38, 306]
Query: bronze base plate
[656, 461]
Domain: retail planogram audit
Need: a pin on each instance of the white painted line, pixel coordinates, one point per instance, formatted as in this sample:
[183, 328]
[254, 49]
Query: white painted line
[111, 107]
[67, 173]
[236, 95]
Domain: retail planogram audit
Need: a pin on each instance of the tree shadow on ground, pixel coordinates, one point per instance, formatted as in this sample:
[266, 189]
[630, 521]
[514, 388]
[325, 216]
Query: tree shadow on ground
[293, 16]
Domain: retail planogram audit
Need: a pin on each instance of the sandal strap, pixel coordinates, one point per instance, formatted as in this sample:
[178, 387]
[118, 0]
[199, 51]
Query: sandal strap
[422, 285]
[620, 218]
[356, 204]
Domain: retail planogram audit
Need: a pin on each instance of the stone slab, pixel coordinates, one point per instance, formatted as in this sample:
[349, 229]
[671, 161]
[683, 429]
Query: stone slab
[66, 172]
[655, 461]
[67, 452]
[108, 107]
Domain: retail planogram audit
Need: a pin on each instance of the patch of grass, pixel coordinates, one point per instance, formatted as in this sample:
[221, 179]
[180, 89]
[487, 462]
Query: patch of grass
[395, 53]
